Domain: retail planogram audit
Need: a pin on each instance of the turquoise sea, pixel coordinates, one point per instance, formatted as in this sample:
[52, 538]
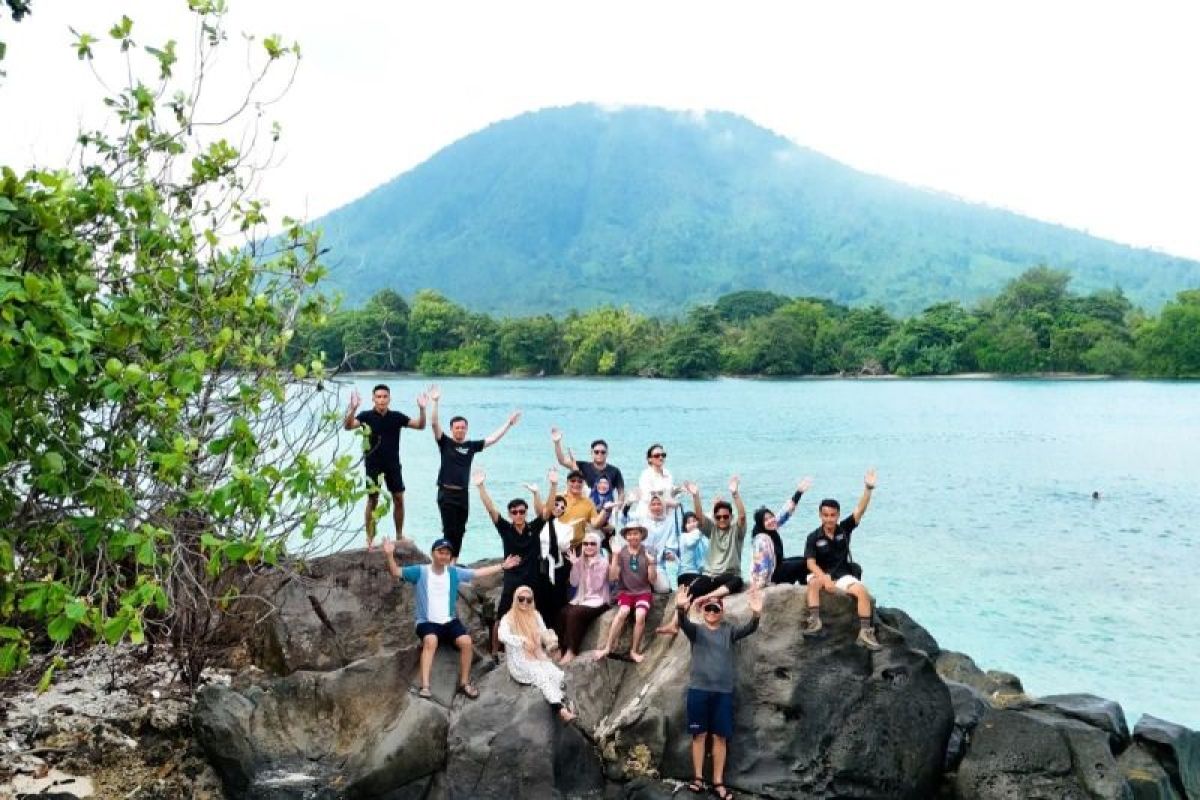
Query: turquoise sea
[983, 527]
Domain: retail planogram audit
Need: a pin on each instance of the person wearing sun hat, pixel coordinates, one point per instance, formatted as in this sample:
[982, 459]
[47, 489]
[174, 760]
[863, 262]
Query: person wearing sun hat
[436, 612]
[635, 573]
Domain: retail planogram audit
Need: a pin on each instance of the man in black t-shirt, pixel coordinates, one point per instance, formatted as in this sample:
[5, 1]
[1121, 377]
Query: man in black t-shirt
[382, 458]
[457, 452]
[521, 536]
[592, 470]
[827, 554]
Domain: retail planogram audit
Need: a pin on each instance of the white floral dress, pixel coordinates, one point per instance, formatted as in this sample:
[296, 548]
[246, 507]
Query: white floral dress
[542, 673]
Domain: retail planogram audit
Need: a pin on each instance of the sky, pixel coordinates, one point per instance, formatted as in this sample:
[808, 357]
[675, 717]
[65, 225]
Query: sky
[1081, 113]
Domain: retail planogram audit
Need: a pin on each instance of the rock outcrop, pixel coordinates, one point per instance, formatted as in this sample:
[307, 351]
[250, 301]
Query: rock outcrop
[816, 718]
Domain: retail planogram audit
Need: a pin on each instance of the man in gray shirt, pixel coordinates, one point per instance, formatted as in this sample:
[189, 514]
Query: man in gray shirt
[710, 687]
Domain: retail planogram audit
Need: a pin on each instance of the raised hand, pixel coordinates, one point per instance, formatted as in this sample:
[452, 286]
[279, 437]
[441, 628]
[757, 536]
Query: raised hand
[555, 435]
[691, 488]
[683, 597]
[511, 562]
[422, 400]
[514, 418]
[869, 478]
[478, 477]
[552, 475]
[531, 487]
[734, 482]
[355, 399]
[755, 599]
[570, 556]
[435, 392]
[389, 547]
[804, 485]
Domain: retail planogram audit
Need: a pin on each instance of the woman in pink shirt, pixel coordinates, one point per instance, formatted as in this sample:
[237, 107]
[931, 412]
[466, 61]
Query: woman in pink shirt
[589, 576]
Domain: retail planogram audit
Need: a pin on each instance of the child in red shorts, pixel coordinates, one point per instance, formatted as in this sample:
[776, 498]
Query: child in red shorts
[635, 573]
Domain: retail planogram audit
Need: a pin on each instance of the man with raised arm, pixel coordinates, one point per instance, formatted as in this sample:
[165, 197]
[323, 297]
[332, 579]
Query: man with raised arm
[437, 607]
[383, 451]
[723, 567]
[592, 470]
[827, 551]
[457, 453]
[521, 536]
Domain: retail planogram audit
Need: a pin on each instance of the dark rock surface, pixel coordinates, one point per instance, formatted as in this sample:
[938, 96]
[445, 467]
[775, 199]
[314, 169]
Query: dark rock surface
[815, 718]
[1177, 748]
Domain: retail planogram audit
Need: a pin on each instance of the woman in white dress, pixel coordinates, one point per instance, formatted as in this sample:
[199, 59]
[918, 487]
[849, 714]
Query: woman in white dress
[655, 480]
[525, 637]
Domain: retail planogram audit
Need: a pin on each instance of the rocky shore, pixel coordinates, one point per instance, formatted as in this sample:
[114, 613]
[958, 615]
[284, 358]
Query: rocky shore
[323, 707]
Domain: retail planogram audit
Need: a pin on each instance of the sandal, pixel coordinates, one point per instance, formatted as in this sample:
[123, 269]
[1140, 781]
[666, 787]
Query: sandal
[721, 792]
[697, 786]
[470, 691]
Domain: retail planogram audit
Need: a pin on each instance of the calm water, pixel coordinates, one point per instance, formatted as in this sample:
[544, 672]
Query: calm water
[983, 526]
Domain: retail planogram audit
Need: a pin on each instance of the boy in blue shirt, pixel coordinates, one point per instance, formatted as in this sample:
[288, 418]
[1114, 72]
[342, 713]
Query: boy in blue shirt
[436, 613]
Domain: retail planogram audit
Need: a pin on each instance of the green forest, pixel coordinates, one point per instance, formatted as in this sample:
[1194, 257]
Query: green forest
[1036, 324]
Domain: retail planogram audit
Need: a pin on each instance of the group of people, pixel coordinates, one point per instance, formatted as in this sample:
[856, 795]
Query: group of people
[572, 555]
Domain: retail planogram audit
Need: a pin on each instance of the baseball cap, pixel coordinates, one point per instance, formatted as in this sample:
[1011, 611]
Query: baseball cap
[443, 543]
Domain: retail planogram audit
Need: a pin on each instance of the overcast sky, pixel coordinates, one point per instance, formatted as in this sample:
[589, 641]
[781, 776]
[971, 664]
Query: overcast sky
[1083, 113]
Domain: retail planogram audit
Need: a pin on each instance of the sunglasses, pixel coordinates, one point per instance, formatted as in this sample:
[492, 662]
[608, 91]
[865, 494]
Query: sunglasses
[723, 516]
[517, 511]
[525, 601]
[600, 452]
[658, 455]
[712, 609]
[575, 480]
[591, 544]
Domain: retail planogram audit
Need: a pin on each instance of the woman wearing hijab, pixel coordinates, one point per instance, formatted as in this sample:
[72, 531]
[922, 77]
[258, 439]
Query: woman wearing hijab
[589, 576]
[525, 638]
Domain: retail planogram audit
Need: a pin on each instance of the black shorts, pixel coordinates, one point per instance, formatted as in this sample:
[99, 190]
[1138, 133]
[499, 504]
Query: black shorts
[392, 476]
[446, 632]
[686, 578]
[706, 584]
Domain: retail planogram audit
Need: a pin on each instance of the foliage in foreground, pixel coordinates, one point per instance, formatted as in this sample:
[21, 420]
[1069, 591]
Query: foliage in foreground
[151, 435]
[1035, 325]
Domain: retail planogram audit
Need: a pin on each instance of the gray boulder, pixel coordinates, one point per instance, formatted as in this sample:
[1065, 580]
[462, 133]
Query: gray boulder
[917, 637]
[1146, 777]
[1034, 754]
[820, 717]
[969, 708]
[357, 730]
[509, 743]
[1098, 712]
[329, 612]
[1000, 688]
[1176, 748]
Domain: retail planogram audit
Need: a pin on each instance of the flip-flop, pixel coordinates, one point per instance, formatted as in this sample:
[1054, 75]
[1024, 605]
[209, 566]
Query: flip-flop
[470, 691]
[697, 786]
[722, 792]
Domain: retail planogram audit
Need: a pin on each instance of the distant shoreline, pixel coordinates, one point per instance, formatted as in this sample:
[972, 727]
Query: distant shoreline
[958, 376]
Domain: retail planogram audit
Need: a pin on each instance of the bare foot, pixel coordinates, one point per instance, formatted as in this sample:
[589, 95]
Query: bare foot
[567, 658]
[600, 654]
[370, 546]
[566, 714]
[636, 657]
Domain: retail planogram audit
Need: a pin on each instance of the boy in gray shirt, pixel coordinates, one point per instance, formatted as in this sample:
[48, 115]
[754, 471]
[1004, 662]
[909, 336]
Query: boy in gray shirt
[710, 687]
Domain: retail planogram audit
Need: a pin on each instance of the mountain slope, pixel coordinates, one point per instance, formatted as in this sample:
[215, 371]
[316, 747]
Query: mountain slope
[573, 207]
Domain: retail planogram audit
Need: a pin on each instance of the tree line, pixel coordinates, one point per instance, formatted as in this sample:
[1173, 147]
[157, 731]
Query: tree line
[1036, 324]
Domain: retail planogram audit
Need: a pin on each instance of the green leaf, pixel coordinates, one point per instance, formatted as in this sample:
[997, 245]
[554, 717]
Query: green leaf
[7, 205]
[60, 628]
[54, 463]
[76, 610]
[116, 626]
[13, 634]
[12, 656]
[146, 554]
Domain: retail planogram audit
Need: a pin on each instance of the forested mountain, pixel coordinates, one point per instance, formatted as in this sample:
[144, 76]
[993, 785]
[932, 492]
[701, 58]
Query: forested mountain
[581, 206]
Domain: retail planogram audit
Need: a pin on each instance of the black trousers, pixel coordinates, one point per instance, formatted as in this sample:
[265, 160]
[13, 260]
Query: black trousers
[790, 570]
[452, 503]
[706, 584]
